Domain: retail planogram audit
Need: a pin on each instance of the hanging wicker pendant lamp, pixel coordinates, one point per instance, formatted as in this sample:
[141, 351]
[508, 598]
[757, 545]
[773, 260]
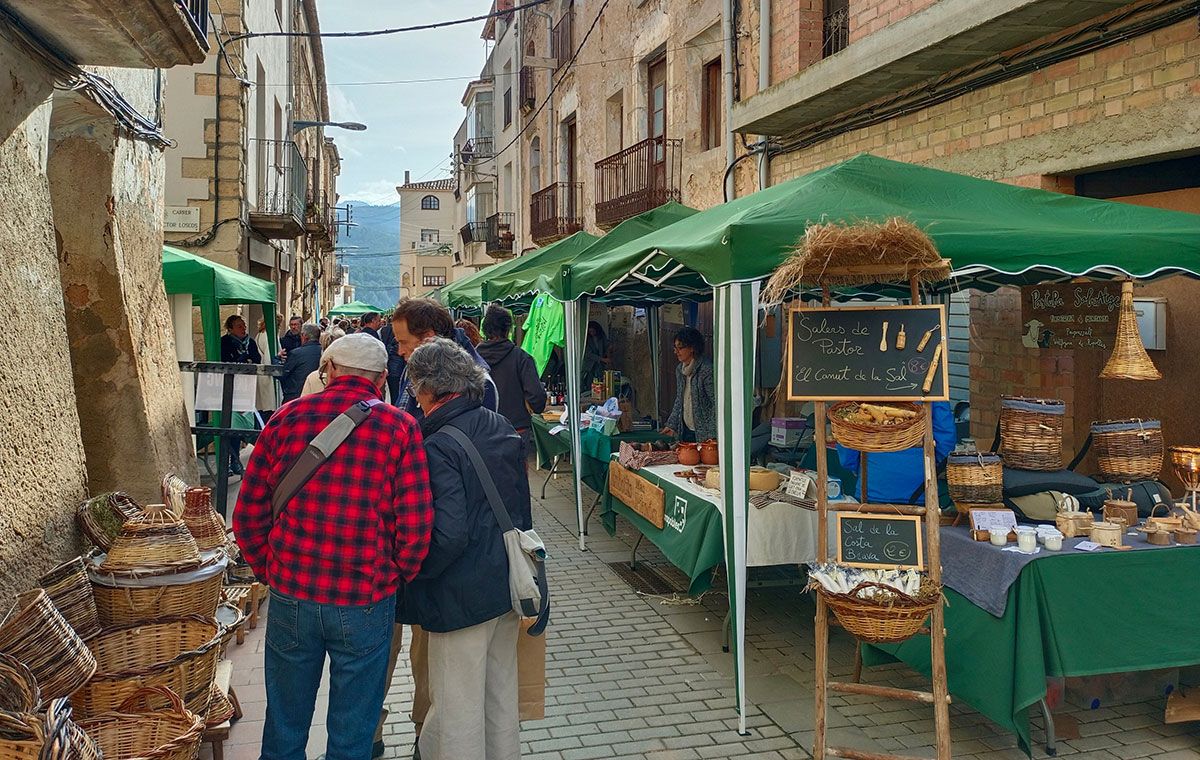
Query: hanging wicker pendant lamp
[1129, 360]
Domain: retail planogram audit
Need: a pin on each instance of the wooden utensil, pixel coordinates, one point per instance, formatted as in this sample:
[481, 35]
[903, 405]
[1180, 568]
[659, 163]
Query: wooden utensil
[925, 339]
[901, 339]
[933, 368]
[883, 340]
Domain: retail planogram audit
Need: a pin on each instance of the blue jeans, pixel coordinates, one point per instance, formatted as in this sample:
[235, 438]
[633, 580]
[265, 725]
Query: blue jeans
[299, 635]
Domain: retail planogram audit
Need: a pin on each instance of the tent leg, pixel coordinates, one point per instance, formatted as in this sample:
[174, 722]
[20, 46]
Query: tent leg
[633, 554]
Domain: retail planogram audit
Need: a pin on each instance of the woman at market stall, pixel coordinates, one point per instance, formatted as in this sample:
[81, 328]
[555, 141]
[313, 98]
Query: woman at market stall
[237, 348]
[595, 355]
[461, 597]
[694, 414]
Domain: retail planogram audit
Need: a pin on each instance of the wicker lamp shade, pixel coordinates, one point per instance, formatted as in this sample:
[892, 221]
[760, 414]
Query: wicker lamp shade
[1129, 360]
[155, 539]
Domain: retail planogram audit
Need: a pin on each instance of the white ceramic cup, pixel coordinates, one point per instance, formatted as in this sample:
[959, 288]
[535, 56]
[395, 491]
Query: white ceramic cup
[1026, 539]
[1054, 542]
[998, 536]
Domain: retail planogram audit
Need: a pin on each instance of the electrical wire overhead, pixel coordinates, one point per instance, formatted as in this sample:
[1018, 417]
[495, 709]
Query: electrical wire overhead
[397, 30]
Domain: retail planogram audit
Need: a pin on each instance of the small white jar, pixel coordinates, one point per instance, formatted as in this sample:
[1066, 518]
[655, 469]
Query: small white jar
[1027, 539]
[998, 536]
[1054, 541]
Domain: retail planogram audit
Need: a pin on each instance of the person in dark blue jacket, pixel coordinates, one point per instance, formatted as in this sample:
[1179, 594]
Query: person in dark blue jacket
[895, 476]
[460, 597]
[300, 361]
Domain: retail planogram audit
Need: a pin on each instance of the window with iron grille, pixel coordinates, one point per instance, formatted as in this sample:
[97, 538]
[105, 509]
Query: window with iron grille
[711, 106]
[837, 27]
[430, 236]
[430, 203]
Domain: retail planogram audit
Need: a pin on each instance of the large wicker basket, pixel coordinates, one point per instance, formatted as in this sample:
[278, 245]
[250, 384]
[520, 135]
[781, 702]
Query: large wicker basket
[101, 517]
[1128, 450]
[975, 478]
[1031, 431]
[66, 740]
[875, 438]
[131, 597]
[889, 617]
[154, 540]
[18, 688]
[22, 736]
[36, 634]
[135, 731]
[70, 590]
[179, 653]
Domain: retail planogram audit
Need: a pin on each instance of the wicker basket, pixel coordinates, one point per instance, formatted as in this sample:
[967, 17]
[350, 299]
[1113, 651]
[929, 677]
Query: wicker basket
[1128, 450]
[18, 688]
[889, 617]
[875, 438]
[66, 740]
[220, 709]
[173, 489]
[131, 597]
[135, 732]
[22, 736]
[179, 653]
[101, 517]
[36, 634]
[1129, 360]
[975, 478]
[1031, 432]
[154, 540]
[202, 521]
[71, 592]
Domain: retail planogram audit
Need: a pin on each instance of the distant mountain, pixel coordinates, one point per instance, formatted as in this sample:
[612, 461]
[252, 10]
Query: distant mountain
[374, 255]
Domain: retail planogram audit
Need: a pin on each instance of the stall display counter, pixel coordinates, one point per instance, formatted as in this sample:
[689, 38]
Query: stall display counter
[596, 448]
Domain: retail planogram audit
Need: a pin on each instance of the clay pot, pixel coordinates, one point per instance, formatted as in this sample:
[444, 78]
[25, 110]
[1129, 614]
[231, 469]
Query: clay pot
[689, 454]
[709, 453]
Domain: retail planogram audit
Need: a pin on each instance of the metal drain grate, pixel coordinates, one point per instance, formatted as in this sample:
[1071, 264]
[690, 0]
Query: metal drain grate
[644, 579]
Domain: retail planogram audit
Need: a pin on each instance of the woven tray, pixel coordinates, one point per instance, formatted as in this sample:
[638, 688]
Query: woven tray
[877, 438]
[36, 634]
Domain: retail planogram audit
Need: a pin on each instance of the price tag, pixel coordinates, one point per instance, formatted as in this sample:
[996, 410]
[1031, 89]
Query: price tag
[1087, 546]
[798, 485]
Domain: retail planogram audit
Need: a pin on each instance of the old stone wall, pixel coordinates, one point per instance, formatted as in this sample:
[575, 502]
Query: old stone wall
[42, 474]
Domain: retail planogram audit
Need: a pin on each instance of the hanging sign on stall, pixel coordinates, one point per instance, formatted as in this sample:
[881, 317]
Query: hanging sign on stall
[871, 540]
[1070, 315]
[869, 353]
[637, 493]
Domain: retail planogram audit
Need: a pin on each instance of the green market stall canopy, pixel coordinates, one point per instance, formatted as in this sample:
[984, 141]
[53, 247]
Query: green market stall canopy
[354, 309]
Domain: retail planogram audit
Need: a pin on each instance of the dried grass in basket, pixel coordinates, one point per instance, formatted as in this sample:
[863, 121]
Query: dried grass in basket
[975, 478]
[134, 731]
[179, 653]
[19, 691]
[155, 540]
[66, 740]
[1128, 450]
[101, 517]
[70, 589]
[35, 633]
[875, 438]
[836, 253]
[22, 736]
[888, 617]
[1031, 431]
[202, 521]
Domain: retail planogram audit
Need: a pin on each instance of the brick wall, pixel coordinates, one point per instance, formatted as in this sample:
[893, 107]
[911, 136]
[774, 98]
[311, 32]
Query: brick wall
[870, 16]
[796, 37]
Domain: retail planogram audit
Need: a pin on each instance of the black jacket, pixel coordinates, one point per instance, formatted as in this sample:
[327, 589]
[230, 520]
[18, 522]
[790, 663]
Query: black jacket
[296, 367]
[290, 341]
[373, 333]
[236, 351]
[516, 377]
[464, 579]
[395, 367]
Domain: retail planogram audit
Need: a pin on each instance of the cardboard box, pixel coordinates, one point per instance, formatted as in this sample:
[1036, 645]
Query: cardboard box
[787, 431]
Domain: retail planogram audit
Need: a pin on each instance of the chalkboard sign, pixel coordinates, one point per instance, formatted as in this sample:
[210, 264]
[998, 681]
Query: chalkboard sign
[870, 353]
[1075, 315]
[879, 540]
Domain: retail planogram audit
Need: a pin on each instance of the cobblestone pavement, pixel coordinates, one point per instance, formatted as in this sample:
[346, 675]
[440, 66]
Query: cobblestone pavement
[632, 677]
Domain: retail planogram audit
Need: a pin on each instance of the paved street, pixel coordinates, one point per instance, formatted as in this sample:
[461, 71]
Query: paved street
[633, 677]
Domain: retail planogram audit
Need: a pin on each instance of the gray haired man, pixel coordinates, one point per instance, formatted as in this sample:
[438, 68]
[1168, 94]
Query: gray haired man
[300, 362]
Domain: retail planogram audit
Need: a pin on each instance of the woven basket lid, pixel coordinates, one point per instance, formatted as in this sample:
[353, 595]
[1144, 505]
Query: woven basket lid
[155, 539]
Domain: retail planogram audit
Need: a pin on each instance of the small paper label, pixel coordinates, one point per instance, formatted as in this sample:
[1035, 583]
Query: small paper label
[798, 485]
[557, 429]
[1087, 546]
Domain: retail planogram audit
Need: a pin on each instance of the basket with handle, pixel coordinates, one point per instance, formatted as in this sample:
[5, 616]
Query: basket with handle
[976, 478]
[179, 653]
[34, 633]
[1128, 450]
[903, 434]
[70, 590]
[66, 740]
[133, 596]
[19, 691]
[1031, 431]
[134, 730]
[101, 517]
[888, 617]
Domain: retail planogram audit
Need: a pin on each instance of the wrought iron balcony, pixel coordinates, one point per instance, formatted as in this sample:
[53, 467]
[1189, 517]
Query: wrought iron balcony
[555, 211]
[642, 177]
[473, 232]
[837, 31]
[433, 281]
[321, 219]
[477, 149]
[282, 177]
[500, 235]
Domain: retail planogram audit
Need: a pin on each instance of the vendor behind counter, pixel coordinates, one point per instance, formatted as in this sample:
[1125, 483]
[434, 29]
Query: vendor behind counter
[898, 477]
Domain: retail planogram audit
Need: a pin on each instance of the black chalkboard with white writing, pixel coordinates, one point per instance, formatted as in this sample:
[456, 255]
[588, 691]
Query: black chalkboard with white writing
[880, 541]
[870, 353]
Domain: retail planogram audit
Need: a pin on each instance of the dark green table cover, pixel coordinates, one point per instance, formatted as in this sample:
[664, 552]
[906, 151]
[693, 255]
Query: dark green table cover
[691, 537]
[1077, 614]
[549, 446]
[596, 448]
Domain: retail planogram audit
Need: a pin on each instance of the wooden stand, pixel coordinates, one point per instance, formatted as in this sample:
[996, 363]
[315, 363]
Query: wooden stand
[939, 697]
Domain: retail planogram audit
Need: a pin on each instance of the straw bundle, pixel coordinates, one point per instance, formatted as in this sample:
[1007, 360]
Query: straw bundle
[836, 253]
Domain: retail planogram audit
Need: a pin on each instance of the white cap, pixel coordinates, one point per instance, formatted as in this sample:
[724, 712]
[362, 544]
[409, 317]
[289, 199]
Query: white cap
[360, 351]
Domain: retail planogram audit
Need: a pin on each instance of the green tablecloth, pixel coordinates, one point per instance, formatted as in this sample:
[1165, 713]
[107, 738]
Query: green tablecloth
[549, 446]
[1068, 615]
[596, 448]
[691, 537]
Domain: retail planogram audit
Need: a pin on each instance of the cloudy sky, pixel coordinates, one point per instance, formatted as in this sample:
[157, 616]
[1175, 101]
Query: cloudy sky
[410, 125]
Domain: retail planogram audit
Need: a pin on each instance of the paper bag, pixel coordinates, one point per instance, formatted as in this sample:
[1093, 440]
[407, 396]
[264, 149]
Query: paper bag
[531, 673]
[625, 424]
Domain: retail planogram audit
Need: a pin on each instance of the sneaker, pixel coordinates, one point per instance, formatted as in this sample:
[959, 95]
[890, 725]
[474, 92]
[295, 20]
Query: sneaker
[377, 750]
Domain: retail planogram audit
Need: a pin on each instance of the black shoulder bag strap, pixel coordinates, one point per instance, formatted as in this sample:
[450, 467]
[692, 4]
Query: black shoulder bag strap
[505, 522]
[319, 449]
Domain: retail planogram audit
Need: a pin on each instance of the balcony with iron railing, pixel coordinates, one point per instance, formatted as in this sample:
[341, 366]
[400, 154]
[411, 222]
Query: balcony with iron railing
[639, 178]
[433, 281]
[473, 232]
[836, 30]
[279, 210]
[555, 211]
[477, 149]
[500, 235]
[321, 219]
[562, 39]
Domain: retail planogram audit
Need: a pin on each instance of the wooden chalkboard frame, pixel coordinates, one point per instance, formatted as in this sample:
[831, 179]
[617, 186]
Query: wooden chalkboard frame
[918, 522]
[941, 393]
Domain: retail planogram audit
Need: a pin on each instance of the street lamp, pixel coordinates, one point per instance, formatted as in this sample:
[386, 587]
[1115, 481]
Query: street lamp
[353, 126]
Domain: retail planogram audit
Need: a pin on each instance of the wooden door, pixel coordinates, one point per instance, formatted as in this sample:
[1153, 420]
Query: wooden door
[656, 126]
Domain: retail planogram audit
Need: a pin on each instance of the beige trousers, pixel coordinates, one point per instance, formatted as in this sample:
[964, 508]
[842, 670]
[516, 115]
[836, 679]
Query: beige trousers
[418, 660]
[473, 693]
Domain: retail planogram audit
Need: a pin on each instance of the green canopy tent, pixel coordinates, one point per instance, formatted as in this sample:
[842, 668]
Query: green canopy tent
[212, 286]
[994, 234]
[354, 309]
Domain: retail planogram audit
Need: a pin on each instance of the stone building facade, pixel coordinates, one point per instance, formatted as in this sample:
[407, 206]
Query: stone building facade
[92, 392]
[427, 232]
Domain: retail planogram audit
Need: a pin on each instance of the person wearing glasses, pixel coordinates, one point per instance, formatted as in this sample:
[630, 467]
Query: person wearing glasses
[694, 414]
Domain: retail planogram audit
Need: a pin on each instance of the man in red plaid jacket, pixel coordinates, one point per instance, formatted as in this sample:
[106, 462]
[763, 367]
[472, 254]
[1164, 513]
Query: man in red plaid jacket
[337, 554]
